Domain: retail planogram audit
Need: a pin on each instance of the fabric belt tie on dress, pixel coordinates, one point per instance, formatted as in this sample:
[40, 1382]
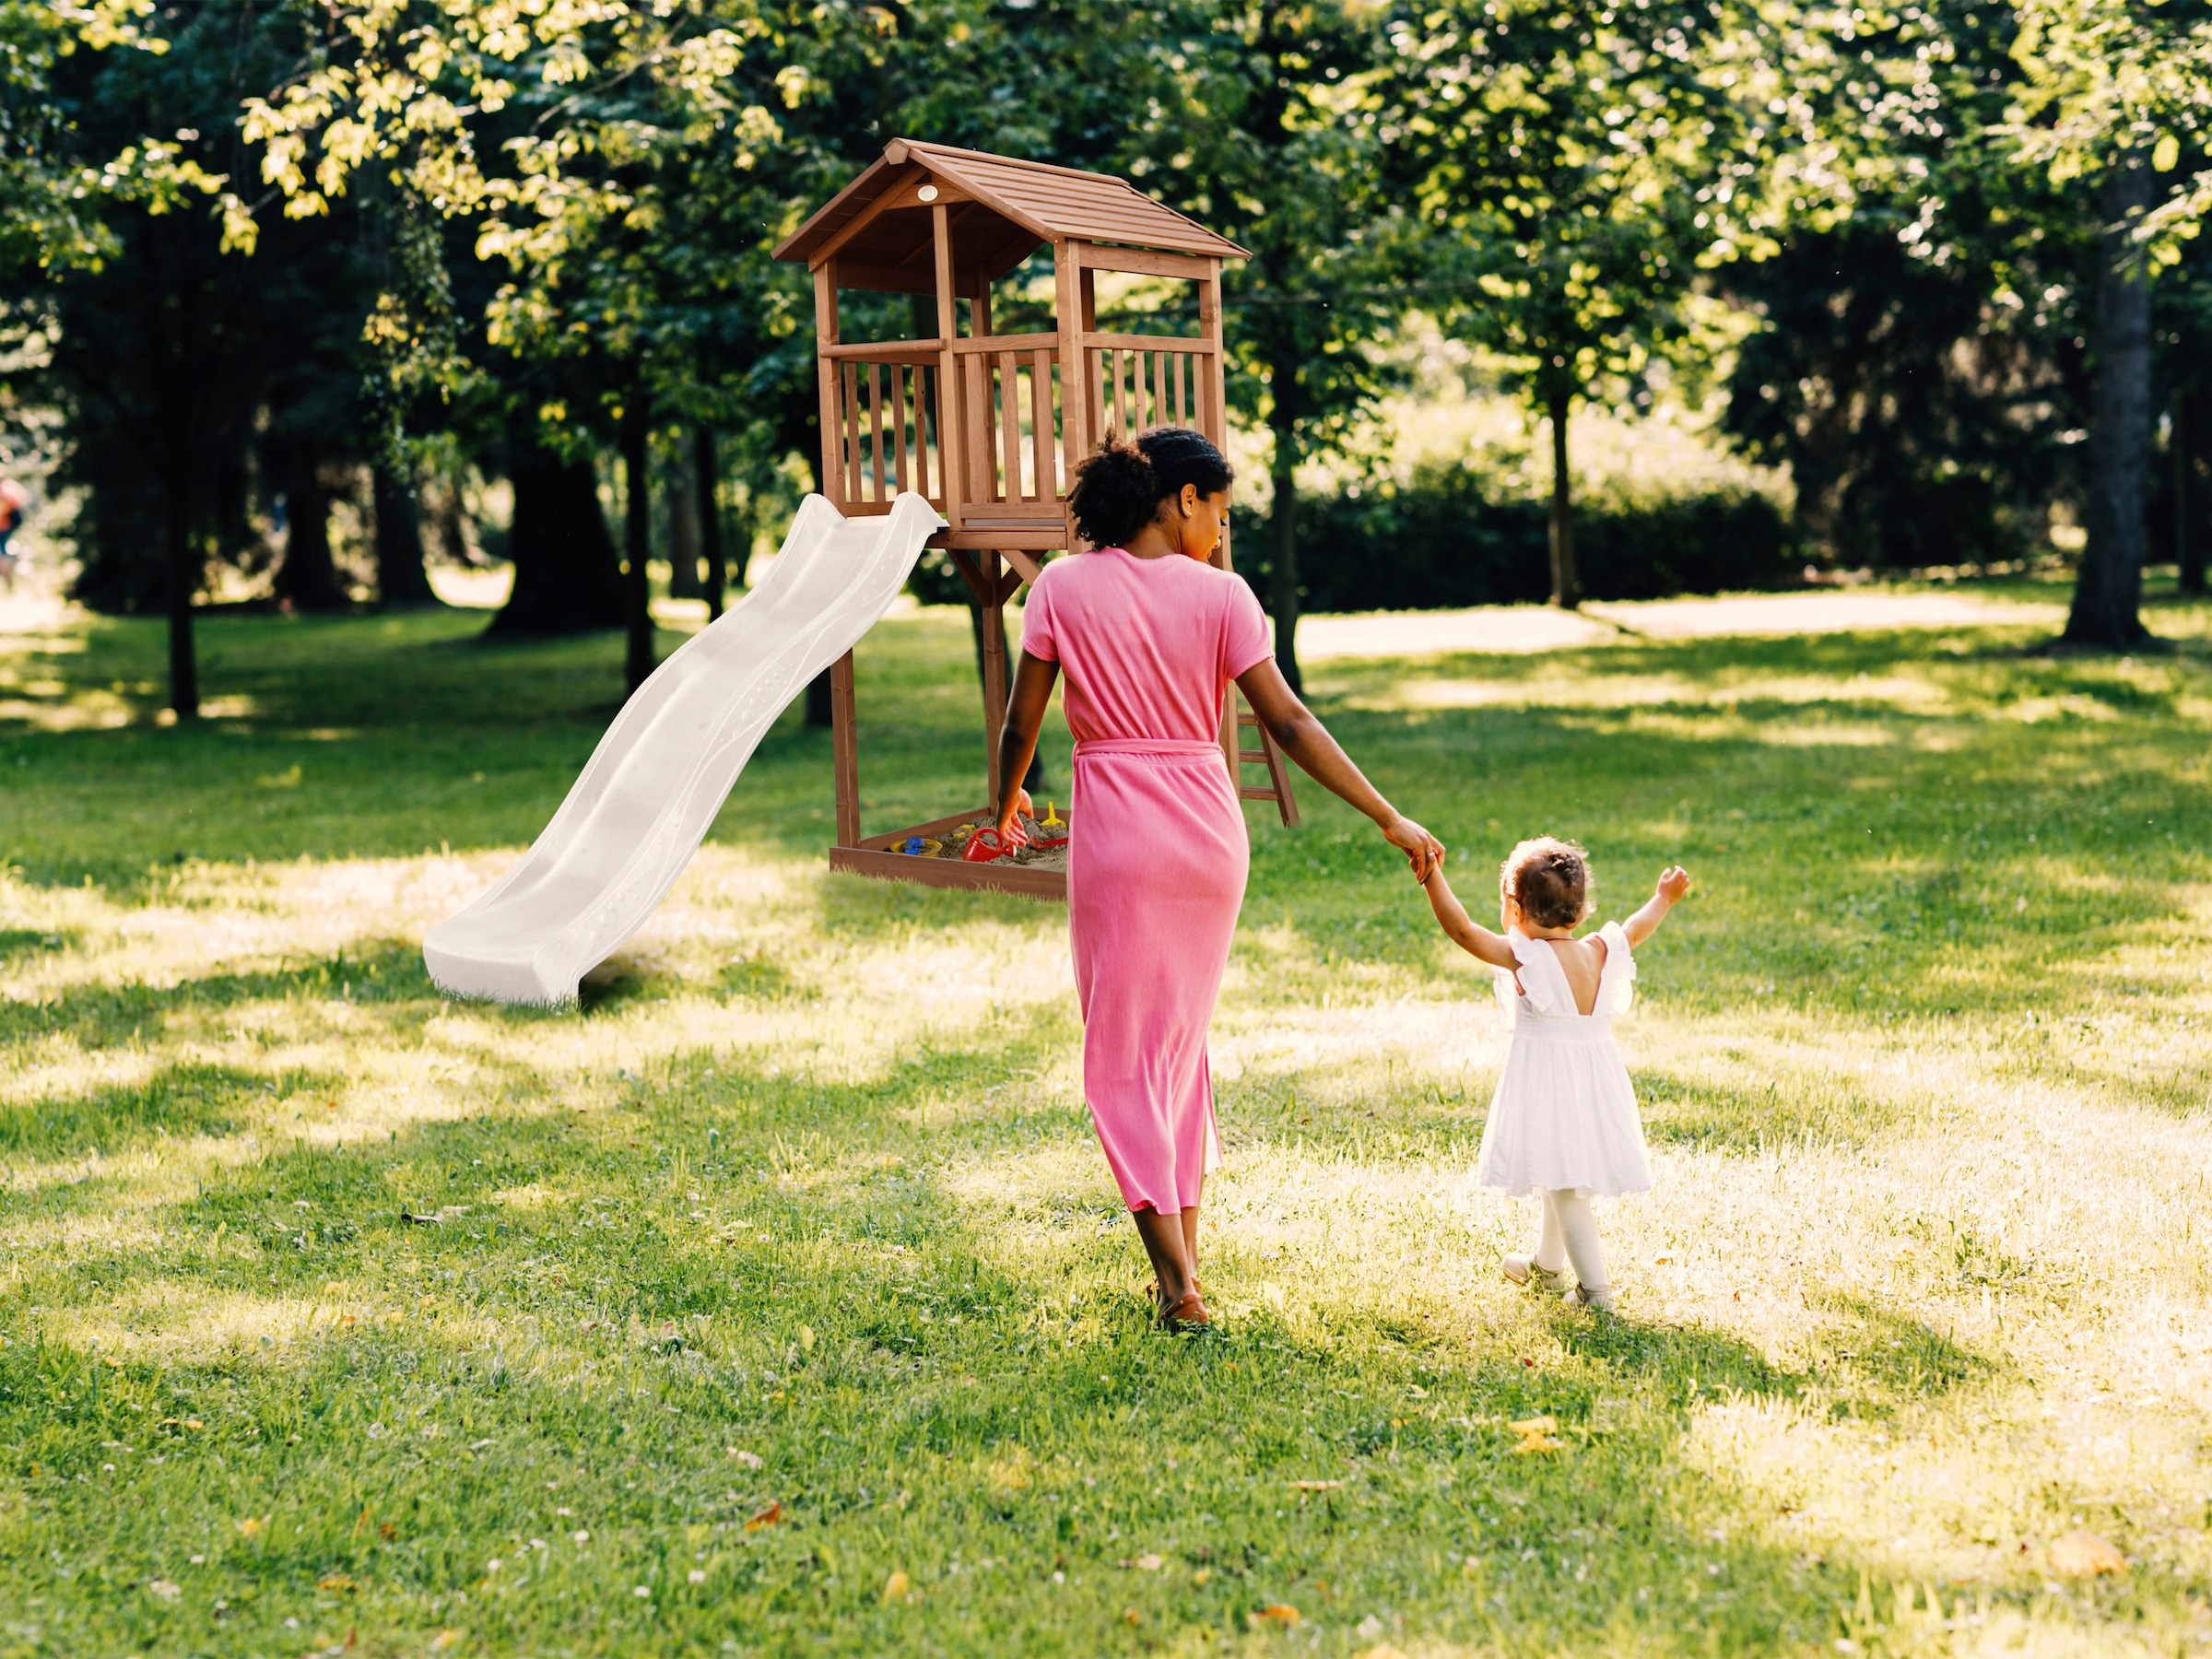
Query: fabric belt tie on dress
[1167, 747]
[1588, 1028]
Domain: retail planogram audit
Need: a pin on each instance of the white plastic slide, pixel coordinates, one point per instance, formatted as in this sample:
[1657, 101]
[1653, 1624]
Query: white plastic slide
[658, 777]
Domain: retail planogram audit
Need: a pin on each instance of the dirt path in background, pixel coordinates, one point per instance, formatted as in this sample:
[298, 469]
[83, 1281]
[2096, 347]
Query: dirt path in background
[1524, 627]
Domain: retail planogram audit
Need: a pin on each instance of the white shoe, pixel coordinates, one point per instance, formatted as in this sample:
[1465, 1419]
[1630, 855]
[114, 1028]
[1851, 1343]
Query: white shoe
[1521, 1268]
[1582, 1296]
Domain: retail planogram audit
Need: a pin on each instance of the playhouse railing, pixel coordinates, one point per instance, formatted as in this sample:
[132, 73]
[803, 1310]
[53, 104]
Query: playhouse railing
[1012, 418]
[888, 433]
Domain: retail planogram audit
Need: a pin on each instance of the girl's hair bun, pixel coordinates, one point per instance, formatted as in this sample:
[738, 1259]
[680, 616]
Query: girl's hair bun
[1118, 488]
[1550, 879]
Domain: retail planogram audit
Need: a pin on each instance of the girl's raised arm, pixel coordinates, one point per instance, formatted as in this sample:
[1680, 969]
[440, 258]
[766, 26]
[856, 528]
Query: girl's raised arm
[1467, 933]
[1674, 881]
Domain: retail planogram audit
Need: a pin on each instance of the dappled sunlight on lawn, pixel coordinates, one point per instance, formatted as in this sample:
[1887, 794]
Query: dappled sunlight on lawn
[792, 1245]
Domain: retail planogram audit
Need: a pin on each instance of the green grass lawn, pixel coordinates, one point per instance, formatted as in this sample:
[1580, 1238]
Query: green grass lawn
[778, 1301]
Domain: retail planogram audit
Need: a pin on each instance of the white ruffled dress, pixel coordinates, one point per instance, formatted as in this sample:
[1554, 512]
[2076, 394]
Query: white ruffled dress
[1565, 1112]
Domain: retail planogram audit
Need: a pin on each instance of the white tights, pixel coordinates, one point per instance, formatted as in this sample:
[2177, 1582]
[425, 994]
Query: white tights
[1568, 1235]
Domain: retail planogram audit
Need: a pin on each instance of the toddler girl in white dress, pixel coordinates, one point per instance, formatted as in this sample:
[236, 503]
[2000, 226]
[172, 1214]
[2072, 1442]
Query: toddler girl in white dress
[1563, 1123]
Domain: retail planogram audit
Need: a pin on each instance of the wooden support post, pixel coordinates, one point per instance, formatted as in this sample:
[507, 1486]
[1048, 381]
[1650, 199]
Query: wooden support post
[1212, 396]
[994, 674]
[833, 437]
[951, 461]
[845, 746]
[1067, 305]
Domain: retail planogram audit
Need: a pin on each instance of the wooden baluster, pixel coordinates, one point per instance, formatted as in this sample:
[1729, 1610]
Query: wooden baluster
[898, 423]
[922, 423]
[1044, 438]
[851, 427]
[876, 423]
[1180, 361]
[1121, 396]
[1009, 391]
[994, 674]
[1096, 365]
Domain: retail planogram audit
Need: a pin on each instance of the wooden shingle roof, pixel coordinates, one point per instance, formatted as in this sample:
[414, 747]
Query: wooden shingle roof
[1012, 207]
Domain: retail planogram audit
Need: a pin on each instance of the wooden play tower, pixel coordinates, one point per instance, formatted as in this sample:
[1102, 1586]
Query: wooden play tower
[989, 427]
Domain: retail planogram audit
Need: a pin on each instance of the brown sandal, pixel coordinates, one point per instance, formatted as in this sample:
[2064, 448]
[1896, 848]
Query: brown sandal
[1188, 1314]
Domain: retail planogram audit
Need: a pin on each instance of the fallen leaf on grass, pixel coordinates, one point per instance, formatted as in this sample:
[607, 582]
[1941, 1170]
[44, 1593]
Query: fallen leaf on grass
[167, 1589]
[1147, 1563]
[896, 1586]
[750, 1460]
[443, 1639]
[2083, 1555]
[336, 1581]
[767, 1517]
[1315, 1485]
[1276, 1613]
[251, 1526]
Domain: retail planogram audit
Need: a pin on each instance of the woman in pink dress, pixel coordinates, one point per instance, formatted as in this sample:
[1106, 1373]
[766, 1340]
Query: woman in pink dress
[1150, 634]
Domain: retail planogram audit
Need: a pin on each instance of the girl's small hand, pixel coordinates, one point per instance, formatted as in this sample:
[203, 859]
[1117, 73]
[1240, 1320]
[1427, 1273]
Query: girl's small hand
[1674, 881]
[1016, 803]
[1422, 850]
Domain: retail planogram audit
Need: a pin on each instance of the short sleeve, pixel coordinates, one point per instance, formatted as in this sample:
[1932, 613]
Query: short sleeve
[1243, 631]
[1616, 985]
[1037, 619]
[1543, 980]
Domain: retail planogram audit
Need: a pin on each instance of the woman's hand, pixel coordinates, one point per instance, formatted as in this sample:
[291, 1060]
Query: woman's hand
[1017, 801]
[1422, 850]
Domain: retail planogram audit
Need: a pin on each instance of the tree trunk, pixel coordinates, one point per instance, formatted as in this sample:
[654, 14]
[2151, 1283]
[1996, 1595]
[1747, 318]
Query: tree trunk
[1566, 586]
[637, 539]
[2109, 589]
[183, 581]
[567, 578]
[2188, 517]
[306, 579]
[681, 493]
[1282, 587]
[401, 578]
[706, 474]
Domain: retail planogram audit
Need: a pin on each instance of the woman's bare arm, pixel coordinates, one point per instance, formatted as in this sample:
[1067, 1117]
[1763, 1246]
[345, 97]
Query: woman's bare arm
[1467, 933]
[1307, 741]
[1033, 679]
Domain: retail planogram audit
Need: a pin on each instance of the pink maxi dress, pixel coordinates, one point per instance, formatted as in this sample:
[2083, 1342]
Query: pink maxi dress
[1159, 854]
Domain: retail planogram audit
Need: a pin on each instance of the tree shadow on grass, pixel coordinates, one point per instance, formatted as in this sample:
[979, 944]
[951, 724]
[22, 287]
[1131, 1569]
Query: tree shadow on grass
[97, 1016]
[189, 1099]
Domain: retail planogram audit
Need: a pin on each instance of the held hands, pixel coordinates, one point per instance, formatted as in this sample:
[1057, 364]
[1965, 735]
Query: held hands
[1673, 882]
[1423, 852]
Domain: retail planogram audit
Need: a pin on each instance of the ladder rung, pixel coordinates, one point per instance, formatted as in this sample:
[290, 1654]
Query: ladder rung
[1249, 794]
[1253, 756]
[1250, 720]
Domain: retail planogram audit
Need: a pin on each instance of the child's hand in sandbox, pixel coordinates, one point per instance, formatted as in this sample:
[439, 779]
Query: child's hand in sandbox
[1673, 882]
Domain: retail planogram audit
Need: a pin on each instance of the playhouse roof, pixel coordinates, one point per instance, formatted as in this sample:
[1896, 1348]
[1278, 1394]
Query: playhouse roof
[1001, 209]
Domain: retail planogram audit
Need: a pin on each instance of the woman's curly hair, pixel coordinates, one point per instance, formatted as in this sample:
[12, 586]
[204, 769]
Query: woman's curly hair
[1550, 879]
[1119, 487]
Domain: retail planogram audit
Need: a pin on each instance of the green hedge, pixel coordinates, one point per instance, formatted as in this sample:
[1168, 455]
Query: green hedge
[1442, 541]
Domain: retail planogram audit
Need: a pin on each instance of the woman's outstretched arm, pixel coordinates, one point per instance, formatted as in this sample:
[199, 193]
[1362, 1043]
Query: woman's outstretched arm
[1033, 678]
[1307, 741]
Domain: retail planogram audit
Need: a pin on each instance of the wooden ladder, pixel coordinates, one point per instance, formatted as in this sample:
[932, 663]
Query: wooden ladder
[1236, 720]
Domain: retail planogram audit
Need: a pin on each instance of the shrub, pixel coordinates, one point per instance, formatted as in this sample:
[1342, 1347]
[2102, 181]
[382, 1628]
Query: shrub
[1443, 539]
